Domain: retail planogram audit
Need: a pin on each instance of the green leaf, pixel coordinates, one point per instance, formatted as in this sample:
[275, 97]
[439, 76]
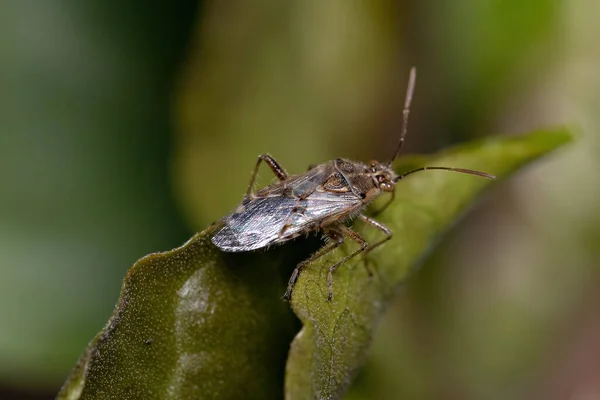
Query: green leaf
[195, 322]
[192, 323]
[336, 334]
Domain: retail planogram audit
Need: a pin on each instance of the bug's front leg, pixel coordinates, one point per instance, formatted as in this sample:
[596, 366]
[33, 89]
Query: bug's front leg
[275, 167]
[347, 232]
[378, 225]
[387, 203]
[335, 239]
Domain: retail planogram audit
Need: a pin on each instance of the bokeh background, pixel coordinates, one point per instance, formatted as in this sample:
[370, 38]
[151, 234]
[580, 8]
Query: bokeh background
[127, 126]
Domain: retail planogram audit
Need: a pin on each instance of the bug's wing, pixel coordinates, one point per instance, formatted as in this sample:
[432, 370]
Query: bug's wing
[302, 185]
[305, 184]
[259, 225]
[263, 220]
[322, 208]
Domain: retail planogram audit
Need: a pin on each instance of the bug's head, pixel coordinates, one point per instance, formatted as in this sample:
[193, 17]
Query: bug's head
[384, 177]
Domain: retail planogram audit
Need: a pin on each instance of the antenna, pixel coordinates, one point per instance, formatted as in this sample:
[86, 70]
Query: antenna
[461, 170]
[409, 95]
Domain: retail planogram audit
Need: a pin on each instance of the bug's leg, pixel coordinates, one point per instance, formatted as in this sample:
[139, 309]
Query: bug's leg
[381, 227]
[335, 239]
[387, 203]
[275, 167]
[376, 224]
[345, 231]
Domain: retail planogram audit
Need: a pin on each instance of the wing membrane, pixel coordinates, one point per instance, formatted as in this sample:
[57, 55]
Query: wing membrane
[263, 220]
[299, 185]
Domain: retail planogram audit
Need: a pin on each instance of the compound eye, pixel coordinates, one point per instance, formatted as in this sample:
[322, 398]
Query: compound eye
[386, 187]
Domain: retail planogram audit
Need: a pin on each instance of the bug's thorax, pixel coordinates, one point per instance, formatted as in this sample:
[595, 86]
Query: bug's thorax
[365, 181]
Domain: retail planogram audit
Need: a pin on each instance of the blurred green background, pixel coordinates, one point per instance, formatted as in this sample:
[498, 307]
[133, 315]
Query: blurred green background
[125, 127]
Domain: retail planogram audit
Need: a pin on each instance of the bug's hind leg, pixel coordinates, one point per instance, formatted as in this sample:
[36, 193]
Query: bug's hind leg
[275, 167]
[335, 239]
[345, 231]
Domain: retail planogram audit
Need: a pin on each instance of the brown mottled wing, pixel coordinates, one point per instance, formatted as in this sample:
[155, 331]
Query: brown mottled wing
[261, 223]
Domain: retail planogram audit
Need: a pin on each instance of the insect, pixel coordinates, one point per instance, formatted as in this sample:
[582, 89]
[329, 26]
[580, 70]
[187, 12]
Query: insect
[323, 199]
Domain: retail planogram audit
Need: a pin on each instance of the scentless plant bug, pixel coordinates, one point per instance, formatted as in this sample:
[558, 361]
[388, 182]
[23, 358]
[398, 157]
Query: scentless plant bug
[323, 199]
